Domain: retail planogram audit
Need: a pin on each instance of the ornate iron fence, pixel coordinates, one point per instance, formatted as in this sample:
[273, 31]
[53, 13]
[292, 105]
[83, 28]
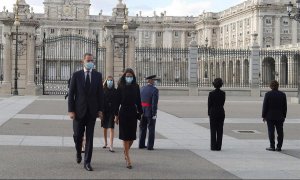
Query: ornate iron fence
[280, 65]
[229, 64]
[169, 64]
[58, 57]
[1, 62]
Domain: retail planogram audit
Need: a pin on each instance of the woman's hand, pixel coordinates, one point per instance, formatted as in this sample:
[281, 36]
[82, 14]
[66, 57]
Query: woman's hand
[117, 120]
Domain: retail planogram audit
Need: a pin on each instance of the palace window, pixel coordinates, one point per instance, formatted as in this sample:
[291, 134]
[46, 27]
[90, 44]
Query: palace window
[176, 34]
[268, 21]
[268, 45]
[285, 22]
[146, 34]
[214, 31]
[52, 31]
[285, 31]
[80, 31]
[159, 34]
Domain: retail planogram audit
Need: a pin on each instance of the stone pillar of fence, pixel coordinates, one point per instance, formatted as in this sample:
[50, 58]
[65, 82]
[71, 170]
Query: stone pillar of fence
[109, 69]
[31, 88]
[131, 52]
[7, 63]
[254, 67]
[192, 71]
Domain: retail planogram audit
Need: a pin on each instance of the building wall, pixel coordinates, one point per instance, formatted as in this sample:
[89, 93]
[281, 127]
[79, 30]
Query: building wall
[231, 28]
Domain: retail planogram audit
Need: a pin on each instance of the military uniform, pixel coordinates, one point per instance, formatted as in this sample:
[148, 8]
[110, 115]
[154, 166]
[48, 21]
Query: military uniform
[149, 99]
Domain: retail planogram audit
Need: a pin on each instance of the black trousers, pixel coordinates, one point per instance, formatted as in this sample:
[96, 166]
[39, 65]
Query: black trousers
[79, 125]
[150, 123]
[216, 133]
[272, 124]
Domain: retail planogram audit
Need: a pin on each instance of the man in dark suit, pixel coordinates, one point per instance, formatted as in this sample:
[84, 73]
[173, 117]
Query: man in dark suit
[149, 98]
[85, 104]
[274, 112]
[216, 113]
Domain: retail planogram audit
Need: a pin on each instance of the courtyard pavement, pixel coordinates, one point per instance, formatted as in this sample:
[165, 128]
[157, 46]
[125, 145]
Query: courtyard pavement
[36, 143]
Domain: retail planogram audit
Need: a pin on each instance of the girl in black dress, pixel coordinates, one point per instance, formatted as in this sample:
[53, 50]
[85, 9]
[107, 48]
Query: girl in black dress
[108, 114]
[128, 110]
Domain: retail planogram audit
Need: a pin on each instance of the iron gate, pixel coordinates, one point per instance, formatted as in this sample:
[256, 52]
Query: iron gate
[58, 57]
[1, 63]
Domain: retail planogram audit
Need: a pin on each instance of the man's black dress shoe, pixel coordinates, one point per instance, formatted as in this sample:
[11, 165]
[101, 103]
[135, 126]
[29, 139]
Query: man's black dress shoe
[278, 149]
[270, 149]
[88, 167]
[150, 149]
[142, 147]
[78, 158]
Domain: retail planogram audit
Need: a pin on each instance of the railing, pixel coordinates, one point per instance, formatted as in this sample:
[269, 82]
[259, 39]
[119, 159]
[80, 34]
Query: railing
[57, 58]
[1, 62]
[280, 65]
[169, 64]
[230, 65]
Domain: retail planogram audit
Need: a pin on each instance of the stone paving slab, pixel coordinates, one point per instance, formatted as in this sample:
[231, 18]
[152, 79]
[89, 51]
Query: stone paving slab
[47, 107]
[59, 163]
[235, 107]
[44, 127]
[291, 131]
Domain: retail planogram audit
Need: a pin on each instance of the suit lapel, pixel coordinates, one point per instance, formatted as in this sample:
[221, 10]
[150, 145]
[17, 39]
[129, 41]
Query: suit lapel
[93, 80]
[82, 78]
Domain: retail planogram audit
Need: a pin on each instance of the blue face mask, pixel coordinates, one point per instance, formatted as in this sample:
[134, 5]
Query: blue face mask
[89, 65]
[110, 83]
[128, 80]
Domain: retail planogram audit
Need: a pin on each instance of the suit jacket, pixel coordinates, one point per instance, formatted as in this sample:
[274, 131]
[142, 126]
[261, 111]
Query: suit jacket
[149, 95]
[274, 106]
[216, 101]
[79, 101]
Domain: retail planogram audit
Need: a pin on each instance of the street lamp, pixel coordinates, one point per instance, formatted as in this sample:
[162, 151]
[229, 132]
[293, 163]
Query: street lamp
[17, 24]
[290, 6]
[295, 17]
[125, 28]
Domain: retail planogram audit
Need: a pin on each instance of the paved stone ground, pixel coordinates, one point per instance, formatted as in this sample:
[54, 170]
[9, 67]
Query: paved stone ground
[36, 142]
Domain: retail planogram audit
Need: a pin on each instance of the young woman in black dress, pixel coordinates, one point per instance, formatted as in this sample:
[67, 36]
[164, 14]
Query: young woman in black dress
[109, 111]
[128, 110]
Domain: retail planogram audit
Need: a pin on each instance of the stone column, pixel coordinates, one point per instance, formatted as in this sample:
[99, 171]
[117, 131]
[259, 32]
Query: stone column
[153, 43]
[109, 69]
[131, 52]
[167, 38]
[140, 38]
[254, 67]
[192, 71]
[261, 31]
[183, 39]
[277, 31]
[7, 64]
[294, 32]
[31, 88]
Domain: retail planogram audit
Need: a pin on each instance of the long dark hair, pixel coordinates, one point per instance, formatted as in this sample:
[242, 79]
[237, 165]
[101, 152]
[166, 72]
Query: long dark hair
[105, 83]
[122, 81]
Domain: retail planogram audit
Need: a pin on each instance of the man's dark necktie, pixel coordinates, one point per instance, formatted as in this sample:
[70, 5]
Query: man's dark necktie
[87, 82]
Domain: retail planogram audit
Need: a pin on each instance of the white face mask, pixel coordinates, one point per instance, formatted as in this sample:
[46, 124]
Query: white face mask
[110, 83]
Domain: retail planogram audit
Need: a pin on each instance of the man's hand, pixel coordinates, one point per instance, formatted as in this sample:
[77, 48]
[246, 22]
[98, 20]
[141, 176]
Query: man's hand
[154, 117]
[100, 114]
[264, 120]
[117, 120]
[72, 115]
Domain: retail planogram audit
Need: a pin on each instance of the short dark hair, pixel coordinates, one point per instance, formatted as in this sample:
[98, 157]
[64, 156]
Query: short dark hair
[87, 54]
[274, 85]
[218, 83]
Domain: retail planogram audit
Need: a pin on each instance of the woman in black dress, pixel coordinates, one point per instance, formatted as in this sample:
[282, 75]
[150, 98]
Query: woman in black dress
[216, 113]
[128, 110]
[108, 113]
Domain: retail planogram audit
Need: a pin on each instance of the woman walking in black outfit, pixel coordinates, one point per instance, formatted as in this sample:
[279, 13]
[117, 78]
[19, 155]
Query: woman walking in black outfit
[128, 110]
[109, 114]
[216, 113]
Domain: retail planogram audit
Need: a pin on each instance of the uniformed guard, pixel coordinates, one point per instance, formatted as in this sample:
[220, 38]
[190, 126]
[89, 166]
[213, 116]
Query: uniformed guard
[149, 98]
